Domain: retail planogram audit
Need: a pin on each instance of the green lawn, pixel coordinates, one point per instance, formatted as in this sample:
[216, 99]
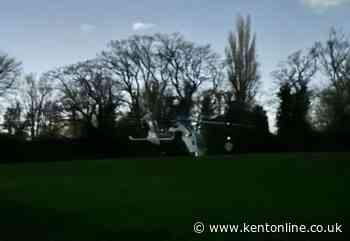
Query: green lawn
[160, 199]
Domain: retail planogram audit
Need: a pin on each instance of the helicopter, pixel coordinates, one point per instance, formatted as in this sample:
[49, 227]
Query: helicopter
[153, 135]
[188, 128]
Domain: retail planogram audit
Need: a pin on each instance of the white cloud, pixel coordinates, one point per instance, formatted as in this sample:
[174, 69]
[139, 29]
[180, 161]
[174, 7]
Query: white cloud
[87, 28]
[139, 26]
[323, 4]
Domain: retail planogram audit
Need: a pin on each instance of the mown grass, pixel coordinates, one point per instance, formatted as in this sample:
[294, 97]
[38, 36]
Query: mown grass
[160, 199]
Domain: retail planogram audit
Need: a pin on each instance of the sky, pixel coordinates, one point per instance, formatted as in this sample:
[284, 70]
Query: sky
[46, 34]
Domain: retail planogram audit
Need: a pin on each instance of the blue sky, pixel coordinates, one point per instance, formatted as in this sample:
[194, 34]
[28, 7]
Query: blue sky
[48, 34]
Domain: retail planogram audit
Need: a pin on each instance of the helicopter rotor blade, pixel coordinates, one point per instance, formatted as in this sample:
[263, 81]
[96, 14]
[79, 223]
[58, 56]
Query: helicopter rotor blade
[137, 139]
[225, 123]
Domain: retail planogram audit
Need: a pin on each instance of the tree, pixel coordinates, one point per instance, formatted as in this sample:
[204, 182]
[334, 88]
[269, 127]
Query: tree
[285, 111]
[298, 70]
[241, 61]
[334, 58]
[208, 107]
[32, 96]
[119, 59]
[89, 95]
[150, 67]
[189, 67]
[294, 77]
[140, 69]
[9, 71]
[261, 123]
[53, 119]
[14, 121]
[36, 95]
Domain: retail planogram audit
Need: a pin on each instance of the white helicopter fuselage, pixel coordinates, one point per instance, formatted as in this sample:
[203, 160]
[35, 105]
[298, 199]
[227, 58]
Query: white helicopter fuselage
[152, 135]
[189, 134]
[153, 132]
[189, 137]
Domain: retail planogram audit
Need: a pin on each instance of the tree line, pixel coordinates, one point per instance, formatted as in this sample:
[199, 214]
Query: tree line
[312, 114]
[100, 102]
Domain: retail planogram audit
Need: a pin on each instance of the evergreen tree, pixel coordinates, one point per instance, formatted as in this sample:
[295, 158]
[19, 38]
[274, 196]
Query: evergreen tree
[285, 111]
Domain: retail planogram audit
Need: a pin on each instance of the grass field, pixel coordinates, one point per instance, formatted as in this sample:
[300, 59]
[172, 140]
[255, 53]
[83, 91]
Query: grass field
[160, 199]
